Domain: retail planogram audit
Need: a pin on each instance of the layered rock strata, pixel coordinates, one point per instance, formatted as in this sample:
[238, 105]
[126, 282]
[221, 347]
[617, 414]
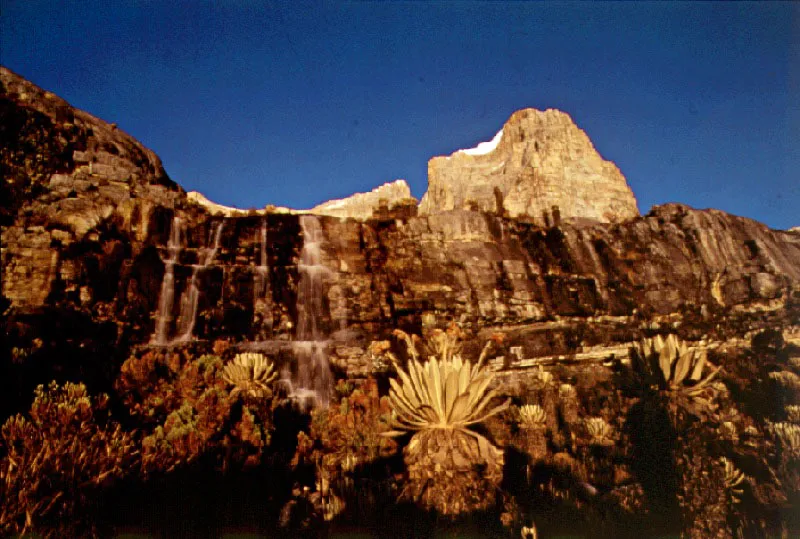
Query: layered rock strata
[540, 166]
[85, 251]
[387, 198]
[66, 175]
[364, 205]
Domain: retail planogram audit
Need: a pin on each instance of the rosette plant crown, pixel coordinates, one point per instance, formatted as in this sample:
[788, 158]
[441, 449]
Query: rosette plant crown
[674, 365]
[444, 392]
[250, 374]
[450, 468]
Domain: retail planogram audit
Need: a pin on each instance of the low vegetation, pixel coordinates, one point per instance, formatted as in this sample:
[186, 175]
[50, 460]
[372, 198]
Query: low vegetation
[451, 468]
[57, 458]
[668, 445]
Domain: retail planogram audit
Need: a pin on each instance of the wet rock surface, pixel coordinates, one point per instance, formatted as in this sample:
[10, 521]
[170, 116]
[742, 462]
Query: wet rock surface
[68, 178]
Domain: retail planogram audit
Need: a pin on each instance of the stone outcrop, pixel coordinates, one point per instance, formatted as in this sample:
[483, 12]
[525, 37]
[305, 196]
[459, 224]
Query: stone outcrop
[364, 205]
[213, 208]
[67, 175]
[540, 166]
[389, 198]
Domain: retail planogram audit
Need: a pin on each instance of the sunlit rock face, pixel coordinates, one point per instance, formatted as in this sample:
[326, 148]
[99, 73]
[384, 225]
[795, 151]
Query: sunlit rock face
[114, 254]
[389, 198]
[364, 205]
[66, 176]
[539, 161]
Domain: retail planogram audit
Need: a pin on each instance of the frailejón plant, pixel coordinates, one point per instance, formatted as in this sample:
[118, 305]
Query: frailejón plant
[447, 393]
[531, 416]
[450, 468]
[600, 431]
[674, 365]
[793, 413]
[788, 434]
[250, 374]
[733, 478]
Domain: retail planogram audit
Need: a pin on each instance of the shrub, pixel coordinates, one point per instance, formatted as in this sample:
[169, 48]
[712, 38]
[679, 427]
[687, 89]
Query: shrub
[185, 409]
[55, 460]
[342, 438]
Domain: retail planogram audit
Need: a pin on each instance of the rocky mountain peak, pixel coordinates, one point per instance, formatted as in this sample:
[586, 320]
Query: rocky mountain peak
[363, 205]
[538, 162]
[113, 154]
[359, 206]
[82, 167]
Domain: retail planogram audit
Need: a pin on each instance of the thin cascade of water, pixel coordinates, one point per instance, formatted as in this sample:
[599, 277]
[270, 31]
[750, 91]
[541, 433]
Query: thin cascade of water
[310, 288]
[191, 296]
[313, 376]
[166, 296]
[261, 289]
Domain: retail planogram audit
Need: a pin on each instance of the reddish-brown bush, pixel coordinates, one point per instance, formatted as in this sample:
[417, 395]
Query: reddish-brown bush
[187, 409]
[56, 459]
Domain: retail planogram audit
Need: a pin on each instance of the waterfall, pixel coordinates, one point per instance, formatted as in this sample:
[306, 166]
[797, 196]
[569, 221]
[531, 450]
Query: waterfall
[262, 269]
[191, 296]
[166, 296]
[313, 379]
[261, 289]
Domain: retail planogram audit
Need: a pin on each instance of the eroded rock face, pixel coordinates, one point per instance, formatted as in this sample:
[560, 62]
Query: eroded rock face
[387, 199]
[364, 205]
[66, 175]
[538, 162]
[86, 251]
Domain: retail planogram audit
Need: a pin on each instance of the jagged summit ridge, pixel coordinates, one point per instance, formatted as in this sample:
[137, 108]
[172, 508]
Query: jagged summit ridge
[357, 206]
[363, 205]
[538, 160]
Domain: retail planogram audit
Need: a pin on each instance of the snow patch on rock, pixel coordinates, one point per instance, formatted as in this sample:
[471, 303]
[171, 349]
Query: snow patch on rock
[485, 147]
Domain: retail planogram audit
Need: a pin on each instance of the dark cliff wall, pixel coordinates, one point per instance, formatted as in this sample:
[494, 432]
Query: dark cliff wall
[480, 270]
[467, 266]
[89, 213]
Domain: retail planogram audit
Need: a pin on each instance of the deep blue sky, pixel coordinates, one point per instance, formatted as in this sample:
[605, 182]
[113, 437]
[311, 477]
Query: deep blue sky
[293, 103]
